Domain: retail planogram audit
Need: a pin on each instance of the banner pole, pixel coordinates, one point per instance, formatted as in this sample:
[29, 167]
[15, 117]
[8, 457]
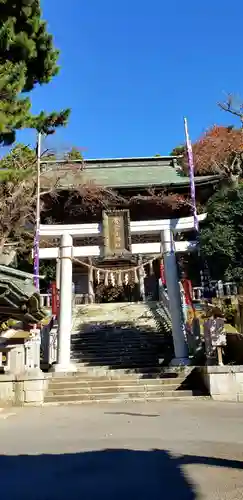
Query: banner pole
[37, 220]
[191, 175]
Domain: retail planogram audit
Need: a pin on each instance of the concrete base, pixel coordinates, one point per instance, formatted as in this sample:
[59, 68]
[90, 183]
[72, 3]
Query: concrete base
[58, 368]
[224, 383]
[180, 362]
[30, 388]
[27, 388]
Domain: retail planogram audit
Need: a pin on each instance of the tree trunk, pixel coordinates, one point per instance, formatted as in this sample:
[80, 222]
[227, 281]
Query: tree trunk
[234, 180]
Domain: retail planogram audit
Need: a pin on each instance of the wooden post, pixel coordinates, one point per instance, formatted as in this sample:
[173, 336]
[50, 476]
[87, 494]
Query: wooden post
[220, 355]
[141, 279]
[91, 282]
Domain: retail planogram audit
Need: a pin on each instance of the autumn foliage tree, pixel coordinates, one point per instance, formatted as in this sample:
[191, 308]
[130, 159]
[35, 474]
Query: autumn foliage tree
[218, 151]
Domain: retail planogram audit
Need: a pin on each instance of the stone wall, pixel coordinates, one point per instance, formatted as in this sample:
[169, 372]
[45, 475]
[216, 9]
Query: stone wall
[28, 388]
[224, 383]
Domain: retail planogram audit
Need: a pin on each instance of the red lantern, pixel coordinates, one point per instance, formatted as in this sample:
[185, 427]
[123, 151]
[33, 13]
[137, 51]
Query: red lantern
[162, 272]
[55, 299]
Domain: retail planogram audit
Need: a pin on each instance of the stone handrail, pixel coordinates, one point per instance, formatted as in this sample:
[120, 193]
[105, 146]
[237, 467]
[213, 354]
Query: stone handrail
[78, 299]
[82, 298]
[48, 343]
[45, 300]
[227, 289]
[164, 302]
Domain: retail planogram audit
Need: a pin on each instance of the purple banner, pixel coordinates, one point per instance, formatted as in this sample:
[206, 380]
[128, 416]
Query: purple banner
[36, 261]
[191, 174]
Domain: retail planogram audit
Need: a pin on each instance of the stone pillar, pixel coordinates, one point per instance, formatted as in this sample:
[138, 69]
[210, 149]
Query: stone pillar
[58, 268]
[33, 350]
[90, 282]
[18, 359]
[173, 288]
[65, 314]
[141, 279]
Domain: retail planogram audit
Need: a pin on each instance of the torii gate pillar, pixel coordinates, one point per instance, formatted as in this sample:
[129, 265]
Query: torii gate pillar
[173, 288]
[65, 314]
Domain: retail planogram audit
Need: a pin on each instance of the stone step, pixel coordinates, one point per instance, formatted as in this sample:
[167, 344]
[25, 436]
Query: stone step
[138, 378]
[134, 400]
[117, 305]
[109, 385]
[126, 315]
[118, 396]
[117, 365]
[116, 357]
[122, 309]
[118, 354]
[148, 372]
[113, 389]
[120, 320]
[116, 337]
[118, 347]
[129, 379]
[108, 350]
[102, 351]
[141, 316]
[136, 354]
[123, 324]
[122, 364]
[119, 343]
[80, 337]
[105, 370]
[118, 317]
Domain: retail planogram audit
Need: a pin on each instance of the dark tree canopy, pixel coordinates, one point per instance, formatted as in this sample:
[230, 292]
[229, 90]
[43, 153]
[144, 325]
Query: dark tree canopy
[222, 235]
[27, 58]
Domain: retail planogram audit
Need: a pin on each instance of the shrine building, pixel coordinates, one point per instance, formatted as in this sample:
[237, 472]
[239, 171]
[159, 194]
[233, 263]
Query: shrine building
[115, 210]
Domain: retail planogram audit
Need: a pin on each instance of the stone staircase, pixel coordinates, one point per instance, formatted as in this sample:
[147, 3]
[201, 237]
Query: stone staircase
[125, 336]
[122, 352]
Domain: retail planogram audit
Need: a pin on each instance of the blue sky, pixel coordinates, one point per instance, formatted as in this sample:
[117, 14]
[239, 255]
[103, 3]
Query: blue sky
[131, 69]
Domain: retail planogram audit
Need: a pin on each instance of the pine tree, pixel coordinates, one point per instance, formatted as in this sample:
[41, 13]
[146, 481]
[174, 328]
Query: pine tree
[27, 58]
[18, 164]
[73, 154]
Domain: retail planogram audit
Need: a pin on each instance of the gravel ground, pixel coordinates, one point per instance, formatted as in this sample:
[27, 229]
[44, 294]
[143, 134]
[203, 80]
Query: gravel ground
[183, 450]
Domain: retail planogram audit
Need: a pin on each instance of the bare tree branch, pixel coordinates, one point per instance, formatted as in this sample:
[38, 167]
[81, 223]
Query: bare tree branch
[229, 107]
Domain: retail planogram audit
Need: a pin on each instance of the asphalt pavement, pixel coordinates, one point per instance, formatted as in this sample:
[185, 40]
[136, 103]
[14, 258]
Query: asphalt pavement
[172, 450]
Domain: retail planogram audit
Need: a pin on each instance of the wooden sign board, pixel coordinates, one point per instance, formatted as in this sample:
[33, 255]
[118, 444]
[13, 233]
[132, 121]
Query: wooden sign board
[116, 234]
[214, 328]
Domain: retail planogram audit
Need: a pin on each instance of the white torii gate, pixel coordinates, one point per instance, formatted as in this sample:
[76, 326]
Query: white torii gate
[165, 246]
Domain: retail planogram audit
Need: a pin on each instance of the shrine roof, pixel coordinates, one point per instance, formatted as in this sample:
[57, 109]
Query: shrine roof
[19, 298]
[120, 172]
